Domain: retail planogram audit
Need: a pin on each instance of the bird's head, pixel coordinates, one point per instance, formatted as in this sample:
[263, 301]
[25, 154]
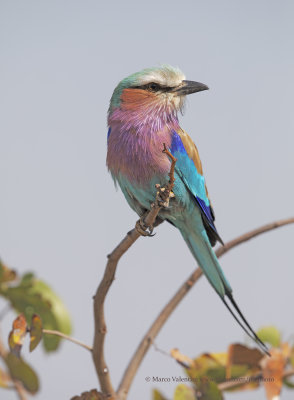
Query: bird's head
[159, 89]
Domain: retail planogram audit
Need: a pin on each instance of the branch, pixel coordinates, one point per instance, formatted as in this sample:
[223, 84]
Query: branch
[20, 390]
[175, 300]
[252, 234]
[69, 338]
[244, 380]
[145, 223]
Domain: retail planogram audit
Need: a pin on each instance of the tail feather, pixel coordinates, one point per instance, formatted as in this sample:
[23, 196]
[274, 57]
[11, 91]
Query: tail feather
[208, 262]
[255, 337]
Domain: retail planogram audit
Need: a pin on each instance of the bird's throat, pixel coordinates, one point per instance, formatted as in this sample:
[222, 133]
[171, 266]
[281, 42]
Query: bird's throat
[147, 119]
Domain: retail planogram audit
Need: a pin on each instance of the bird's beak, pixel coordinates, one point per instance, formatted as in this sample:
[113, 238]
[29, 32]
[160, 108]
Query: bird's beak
[188, 87]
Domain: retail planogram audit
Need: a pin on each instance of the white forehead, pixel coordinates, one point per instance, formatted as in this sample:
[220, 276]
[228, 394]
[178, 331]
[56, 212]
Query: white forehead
[165, 75]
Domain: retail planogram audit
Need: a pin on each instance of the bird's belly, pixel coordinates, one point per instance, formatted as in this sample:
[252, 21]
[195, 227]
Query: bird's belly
[140, 197]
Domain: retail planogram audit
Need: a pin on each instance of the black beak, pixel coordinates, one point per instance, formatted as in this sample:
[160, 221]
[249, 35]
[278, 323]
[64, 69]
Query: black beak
[189, 87]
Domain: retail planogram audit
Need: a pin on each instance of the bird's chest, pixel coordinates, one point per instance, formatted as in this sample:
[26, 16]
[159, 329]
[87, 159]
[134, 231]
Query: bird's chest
[138, 157]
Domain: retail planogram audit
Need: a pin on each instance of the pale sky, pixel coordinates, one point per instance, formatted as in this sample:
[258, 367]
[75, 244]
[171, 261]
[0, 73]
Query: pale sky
[61, 215]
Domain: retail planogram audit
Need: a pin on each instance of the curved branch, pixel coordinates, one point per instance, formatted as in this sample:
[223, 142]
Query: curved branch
[143, 225]
[252, 234]
[175, 300]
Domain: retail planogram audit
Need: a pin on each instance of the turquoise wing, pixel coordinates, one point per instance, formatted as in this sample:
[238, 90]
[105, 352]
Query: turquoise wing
[189, 168]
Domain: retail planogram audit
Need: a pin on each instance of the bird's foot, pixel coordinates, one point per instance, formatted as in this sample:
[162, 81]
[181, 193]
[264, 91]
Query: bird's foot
[163, 196]
[144, 229]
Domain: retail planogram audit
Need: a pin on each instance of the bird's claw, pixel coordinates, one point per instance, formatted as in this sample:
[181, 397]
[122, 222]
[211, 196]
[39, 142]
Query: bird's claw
[143, 229]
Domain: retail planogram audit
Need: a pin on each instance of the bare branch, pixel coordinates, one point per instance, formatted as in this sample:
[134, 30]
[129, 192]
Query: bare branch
[244, 380]
[100, 325]
[252, 234]
[175, 300]
[69, 338]
[162, 198]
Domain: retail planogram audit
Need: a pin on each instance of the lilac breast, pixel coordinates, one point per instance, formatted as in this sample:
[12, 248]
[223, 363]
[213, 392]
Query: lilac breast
[135, 150]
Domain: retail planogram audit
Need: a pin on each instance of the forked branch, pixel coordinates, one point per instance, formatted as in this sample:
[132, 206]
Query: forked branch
[145, 223]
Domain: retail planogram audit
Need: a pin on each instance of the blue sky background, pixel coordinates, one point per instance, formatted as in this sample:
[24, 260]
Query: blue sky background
[60, 213]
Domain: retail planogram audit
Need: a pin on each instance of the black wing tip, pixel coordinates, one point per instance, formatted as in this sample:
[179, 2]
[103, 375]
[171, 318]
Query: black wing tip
[211, 231]
[220, 240]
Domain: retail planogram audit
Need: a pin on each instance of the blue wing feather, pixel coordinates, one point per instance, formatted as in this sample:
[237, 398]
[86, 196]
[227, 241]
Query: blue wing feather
[108, 133]
[193, 180]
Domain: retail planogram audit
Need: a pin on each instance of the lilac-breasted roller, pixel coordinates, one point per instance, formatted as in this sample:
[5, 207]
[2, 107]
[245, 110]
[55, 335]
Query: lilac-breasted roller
[142, 117]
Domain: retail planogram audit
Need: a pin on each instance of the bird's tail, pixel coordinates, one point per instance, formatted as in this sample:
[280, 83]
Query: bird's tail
[202, 251]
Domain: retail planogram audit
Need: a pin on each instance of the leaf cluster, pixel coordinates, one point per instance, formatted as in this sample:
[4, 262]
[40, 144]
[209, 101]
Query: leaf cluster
[240, 368]
[39, 304]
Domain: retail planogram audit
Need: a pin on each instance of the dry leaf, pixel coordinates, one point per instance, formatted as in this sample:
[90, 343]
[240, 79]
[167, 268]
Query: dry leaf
[273, 369]
[238, 354]
[5, 379]
[180, 358]
[6, 274]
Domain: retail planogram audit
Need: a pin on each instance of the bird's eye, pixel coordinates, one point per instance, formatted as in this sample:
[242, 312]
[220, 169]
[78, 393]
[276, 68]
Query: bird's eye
[153, 86]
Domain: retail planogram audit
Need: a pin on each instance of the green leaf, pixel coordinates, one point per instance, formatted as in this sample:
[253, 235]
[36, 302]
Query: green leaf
[211, 365]
[33, 296]
[287, 382]
[271, 335]
[21, 371]
[156, 395]
[184, 392]
[211, 369]
[208, 390]
[36, 332]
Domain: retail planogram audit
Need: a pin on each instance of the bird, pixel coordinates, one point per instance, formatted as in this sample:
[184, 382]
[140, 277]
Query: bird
[143, 117]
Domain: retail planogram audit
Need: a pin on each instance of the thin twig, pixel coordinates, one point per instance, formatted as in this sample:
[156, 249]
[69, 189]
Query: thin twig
[102, 370]
[22, 395]
[69, 338]
[172, 167]
[153, 331]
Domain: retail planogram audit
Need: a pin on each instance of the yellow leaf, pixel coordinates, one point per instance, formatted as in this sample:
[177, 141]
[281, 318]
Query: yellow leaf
[17, 335]
[184, 392]
[156, 395]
